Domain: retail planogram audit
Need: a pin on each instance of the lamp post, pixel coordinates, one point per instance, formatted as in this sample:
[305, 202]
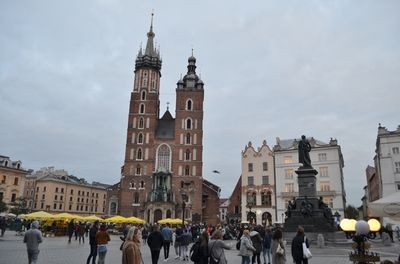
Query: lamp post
[183, 209]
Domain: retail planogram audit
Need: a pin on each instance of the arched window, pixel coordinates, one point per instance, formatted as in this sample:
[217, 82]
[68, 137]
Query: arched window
[163, 158]
[138, 170]
[113, 208]
[141, 109]
[188, 123]
[139, 154]
[136, 198]
[141, 123]
[266, 198]
[143, 95]
[189, 105]
[140, 138]
[188, 138]
[187, 154]
[187, 170]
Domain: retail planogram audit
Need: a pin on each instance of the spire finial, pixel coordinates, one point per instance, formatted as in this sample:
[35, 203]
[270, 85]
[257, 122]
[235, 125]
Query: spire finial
[192, 51]
[151, 25]
[167, 106]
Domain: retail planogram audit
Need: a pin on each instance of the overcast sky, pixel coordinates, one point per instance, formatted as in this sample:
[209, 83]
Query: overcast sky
[271, 69]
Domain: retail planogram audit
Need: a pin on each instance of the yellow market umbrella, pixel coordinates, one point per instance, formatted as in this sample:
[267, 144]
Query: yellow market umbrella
[92, 218]
[41, 215]
[166, 221]
[116, 219]
[135, 220]
[178, 221]
[64, 216]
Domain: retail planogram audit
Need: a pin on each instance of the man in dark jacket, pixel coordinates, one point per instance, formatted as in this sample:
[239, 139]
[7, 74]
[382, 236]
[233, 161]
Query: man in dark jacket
[297, 247]
[257, 244]
[267, 245]
[93, 243]
[71, 228]
[155, 242]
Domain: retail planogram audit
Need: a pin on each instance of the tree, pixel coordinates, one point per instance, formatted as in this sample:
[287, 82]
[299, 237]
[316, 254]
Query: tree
[3, 206]
[351, 212]
[19, 206]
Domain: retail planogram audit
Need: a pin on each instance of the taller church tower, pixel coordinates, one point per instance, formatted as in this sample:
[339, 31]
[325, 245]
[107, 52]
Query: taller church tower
[162, 172]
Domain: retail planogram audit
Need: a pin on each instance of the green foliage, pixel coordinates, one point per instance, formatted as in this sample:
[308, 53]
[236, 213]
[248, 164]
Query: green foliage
[19, 206]
[3, 206]
[351, 212]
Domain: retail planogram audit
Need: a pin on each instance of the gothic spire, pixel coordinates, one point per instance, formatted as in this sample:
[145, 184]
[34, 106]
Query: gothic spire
[150, 36]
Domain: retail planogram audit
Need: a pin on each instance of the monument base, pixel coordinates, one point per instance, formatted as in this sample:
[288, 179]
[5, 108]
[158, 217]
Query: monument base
[309, 213]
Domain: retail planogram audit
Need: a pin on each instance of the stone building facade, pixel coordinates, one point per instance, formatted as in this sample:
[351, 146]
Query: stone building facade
[387, 160]
[55, 191]
[12, 180]
[326, 158]
[373, 184]
[162, 173]
[258, 185]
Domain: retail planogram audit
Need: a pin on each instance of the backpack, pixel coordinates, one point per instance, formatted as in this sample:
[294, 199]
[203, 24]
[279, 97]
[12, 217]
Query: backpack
[195, 252]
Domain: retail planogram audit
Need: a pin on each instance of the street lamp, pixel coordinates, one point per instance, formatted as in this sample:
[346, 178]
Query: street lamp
[183, 209]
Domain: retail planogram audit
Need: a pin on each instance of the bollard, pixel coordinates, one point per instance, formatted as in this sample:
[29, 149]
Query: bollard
[320, 241]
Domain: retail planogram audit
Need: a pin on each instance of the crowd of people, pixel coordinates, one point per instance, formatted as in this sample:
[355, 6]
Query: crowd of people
[255, 244]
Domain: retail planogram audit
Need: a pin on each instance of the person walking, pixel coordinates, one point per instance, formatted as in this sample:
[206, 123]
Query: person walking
[216, 248]
[246, 247]
[3, 225]
[201, 256]
[131, 248]
[102, 239]
[145, 235]
[93, 243]
[267, 245]
[167, 236]
[81, 234]
[33, 238]
[256, 239]
[297, 247]
[186, 239]
[71, 229]
[155, 242]
[277, 240]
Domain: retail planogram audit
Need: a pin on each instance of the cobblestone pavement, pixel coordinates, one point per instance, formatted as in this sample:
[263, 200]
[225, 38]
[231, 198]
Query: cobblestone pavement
[56, 250]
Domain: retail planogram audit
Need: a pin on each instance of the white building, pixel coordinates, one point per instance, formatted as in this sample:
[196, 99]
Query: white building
[327, 159]
[223, 210]
[387, 160]
[258, 185]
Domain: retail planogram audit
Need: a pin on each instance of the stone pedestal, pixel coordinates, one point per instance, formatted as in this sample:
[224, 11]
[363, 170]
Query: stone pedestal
[307, 182]
[307, 210]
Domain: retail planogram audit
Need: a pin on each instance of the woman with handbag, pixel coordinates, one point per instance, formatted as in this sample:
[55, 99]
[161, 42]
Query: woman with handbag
[216, 249]
[131, 247]
[278, 248]
[297, 247]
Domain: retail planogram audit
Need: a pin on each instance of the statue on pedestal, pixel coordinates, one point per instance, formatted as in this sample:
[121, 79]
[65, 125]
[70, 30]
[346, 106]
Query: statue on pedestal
[304, 152]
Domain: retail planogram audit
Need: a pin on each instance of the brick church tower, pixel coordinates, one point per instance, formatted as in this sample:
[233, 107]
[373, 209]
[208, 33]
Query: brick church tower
[162, 174]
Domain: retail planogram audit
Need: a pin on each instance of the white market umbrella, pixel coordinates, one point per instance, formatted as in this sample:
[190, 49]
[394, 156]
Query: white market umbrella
[388, 206]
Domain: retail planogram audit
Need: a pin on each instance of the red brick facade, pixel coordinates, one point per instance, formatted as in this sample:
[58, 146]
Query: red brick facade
[162, 172]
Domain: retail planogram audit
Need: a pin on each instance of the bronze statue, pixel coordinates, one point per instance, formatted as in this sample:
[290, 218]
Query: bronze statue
[304, 152]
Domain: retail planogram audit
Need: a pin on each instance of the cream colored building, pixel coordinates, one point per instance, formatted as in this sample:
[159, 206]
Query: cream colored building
[12, 180]
[326, 158]
[258, 185]
[55, 191]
